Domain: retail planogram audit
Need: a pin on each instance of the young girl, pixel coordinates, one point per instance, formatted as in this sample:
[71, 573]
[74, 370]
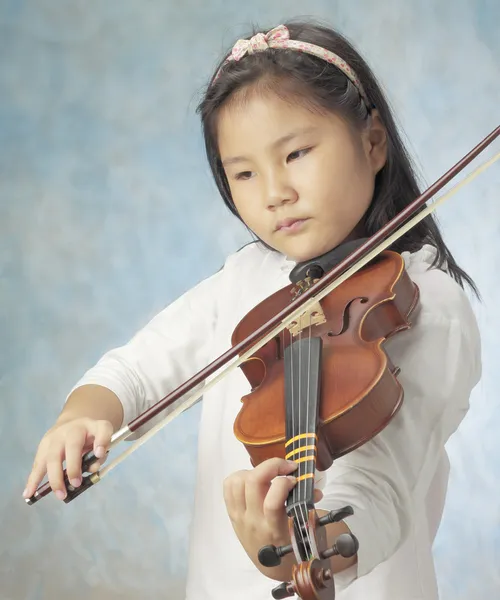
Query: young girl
[305, 151]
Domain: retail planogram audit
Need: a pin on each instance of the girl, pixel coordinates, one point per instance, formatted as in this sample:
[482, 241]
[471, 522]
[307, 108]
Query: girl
[305, 151]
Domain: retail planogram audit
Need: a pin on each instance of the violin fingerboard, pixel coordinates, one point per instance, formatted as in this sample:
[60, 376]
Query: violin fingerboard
[302, 361]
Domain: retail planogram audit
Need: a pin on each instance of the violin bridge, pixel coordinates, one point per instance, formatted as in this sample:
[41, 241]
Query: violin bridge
[313, 316]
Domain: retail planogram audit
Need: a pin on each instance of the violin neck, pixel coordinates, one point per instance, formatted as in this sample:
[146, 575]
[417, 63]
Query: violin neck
[302, 360]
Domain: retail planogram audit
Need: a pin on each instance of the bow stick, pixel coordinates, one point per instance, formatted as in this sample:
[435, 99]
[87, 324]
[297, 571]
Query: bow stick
[373, 246]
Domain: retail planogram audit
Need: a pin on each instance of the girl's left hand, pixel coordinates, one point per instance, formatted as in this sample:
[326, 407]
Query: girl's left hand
[255, 502]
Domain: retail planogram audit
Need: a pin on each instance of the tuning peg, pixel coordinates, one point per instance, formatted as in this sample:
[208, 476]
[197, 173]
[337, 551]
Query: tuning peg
[346, 545]
[336, 515]
[284, 590]
[270, 556]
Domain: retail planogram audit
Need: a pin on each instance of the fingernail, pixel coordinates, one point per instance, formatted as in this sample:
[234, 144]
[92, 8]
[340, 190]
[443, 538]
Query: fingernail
[100, 452]
[292, 462]
[25, 493]
[60, 494]
[292, 478]
[75, 482]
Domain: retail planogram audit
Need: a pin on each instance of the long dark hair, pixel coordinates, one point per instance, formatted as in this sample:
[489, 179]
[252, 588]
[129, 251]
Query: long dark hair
[319, 83]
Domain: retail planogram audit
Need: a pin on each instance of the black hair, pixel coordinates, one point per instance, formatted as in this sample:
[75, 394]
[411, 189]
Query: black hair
[321, 84]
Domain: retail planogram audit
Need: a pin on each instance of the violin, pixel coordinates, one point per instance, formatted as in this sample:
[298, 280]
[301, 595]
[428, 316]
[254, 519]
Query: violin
[320, 390]
[321, 382]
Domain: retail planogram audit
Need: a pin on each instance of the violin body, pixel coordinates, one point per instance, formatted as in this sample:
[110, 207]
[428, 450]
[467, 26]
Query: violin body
[359, 390]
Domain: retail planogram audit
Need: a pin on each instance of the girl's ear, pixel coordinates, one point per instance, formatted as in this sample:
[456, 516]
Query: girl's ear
[375, 138]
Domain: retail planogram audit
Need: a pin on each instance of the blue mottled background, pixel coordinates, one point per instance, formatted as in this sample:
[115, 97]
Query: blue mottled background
[108, 213]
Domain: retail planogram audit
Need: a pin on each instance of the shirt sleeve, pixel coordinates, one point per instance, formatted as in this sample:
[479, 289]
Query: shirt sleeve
[170, 349]
[439, 358]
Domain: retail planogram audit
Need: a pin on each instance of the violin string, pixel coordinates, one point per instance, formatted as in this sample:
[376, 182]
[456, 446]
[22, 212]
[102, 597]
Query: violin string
[299, 505]
[308, 463]
[293, 415]
[294, 435]
[304, 465]
[299, 403]
[293, 431]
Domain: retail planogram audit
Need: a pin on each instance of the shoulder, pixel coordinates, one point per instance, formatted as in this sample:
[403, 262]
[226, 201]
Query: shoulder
[236, 267]
[445, 321]
[250, 255]
[441, 297]
[253, 263]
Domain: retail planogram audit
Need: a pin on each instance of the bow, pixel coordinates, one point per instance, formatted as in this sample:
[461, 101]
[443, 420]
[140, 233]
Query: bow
[275, 38]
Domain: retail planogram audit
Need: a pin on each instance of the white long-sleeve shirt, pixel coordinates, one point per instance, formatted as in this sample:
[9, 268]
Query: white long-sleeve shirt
[396, 482]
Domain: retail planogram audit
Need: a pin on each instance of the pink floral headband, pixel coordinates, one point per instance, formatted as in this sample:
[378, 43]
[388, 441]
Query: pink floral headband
[279, 37]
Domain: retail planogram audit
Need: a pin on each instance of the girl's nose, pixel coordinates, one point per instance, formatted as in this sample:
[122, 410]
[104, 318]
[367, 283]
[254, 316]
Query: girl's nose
[278, 192]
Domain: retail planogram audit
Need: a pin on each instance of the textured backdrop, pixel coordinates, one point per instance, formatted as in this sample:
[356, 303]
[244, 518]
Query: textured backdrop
[108, 213]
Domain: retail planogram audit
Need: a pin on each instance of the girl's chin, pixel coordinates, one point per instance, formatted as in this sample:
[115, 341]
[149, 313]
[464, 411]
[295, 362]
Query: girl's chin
[304, 254]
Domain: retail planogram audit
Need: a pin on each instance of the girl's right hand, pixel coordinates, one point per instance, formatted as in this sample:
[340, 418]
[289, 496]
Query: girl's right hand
[69, 440]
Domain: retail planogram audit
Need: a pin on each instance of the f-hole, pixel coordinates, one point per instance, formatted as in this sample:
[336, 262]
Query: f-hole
[345, 316]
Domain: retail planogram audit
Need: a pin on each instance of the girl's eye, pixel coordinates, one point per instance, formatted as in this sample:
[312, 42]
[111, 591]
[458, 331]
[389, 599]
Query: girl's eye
[243, 175]
[298, 154]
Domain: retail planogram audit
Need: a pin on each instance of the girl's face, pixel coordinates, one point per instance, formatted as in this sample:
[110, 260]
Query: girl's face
[300, 180]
